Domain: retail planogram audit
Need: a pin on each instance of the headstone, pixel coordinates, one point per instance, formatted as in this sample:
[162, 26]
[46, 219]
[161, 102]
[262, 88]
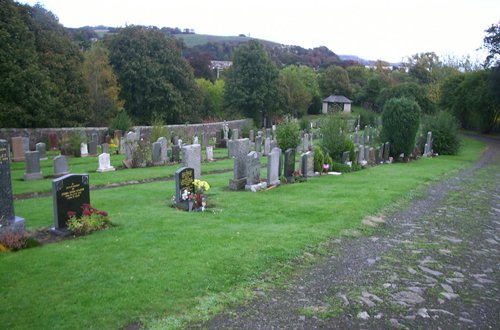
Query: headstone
[179, 142]
[122, 145]
[218, 138]
[305, 142]
[258, 143]
[268, 133]
[92, 148]
[60, 164]
[131, 136]
[267, 146]
[236, 134]
[118, 134]
[53, 141]
[378, 156]
[307, 164]
[175, 140]
[7, 216]
[163, 149]
[251, 135]
[191, 157]
[387, 147]
[356, 139]
[253, 169]
[371, 156]
[289, 165]
[259, 133]
[176, 153]
[225, 129]
[195, 139]
[156, 153]
[204, 139]
[273, 163]
[84, 151]
[32, 166]
[361, 154]
[230, 148]
[105, 163]
[184, 178]
[69, 193]
[105, 148]
[108, 139]
[26, 144]
[17, 149]
[428, 145]
[40, 147]
[367, 153]
[241, 150]
[345, 157]
[274, 144]
[210, 153]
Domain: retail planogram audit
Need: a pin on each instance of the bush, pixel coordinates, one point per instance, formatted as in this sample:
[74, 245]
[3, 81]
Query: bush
[121, 122]
[319, 159]
[158, 129]
[90, 221]
[446, 138]
[367, 117]
[335, 140]
[14, 241]
[74, 141]
[400, 118]
[305, 124]
[287, 134]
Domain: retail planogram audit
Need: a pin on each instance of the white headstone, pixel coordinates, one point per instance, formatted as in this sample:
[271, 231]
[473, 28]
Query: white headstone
[104, 163]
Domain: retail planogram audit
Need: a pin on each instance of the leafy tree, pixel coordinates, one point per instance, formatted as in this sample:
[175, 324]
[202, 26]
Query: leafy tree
[400, 118]
[358, 77]
[294, 95]
[121, 122]
[335, 140]
[445, 132]
[102, 85]
[492, 43]
[335, 80]
[212, 94]
[411, 90]
[200, 62]
[153, 77]
[422, 65]
[287, 134]
[252, 83]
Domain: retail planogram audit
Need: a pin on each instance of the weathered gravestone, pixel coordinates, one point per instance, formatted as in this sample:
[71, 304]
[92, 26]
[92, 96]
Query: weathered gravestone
[371, 156]
[258, 143]
[105, 163]
[105, 148]
[8, 220]
[33, 171]
[92, 148]
[241, 150]
[267, 146]
[184, 178]
[40, 147]
[251, 135]
[387, 149]
[210, 153]
[428, 145]
[60, 164]
[307, 164]
[191, 157]
[345, 157]
[289, 164]
[268, 133]
[361, 154]
[195, 139]
[156, 153]
[305, 142]
[378, 156]
[164, 149]
[69, 193]
[84, 151]
[253, 169]
[236, 134]
[273, 164]
[16, 144]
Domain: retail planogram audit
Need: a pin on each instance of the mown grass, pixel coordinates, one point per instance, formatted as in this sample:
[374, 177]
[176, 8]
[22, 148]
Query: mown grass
[159, 265]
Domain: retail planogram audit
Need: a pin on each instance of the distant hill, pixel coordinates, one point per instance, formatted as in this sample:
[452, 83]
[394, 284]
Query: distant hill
[193, 40]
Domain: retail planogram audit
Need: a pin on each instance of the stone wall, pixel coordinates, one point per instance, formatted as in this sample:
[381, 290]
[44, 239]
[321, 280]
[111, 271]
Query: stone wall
[41, 134]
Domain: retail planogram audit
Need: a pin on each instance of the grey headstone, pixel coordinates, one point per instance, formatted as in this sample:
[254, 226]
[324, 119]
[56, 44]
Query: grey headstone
[95, 137]
[60, 164]
[428, 145]
[105, 163]
[204, 139]
[33, 171]
[84, 151]
[268, 133]
[210, 153]
[122, 145]
[225, 129]
[92, 148]
[307, 164]
[267, 146]
[371, 156]
[253, 168]
[259, 133]
[175, 141]
[367, 150]
[163, 149]
[69, 193]
[273, 163]
[26, 144]
[236, 134]
[40, 147]
[105, 148]
[184, 178]
[345, 157]
[378, 156]
[191, 157]
[289, 164]
[7, 216]
[387, 147]
[361, 154]
[156, 153]
[251, 135]
[241, 150]
[305, 142]
[258, 143]
[195, 139]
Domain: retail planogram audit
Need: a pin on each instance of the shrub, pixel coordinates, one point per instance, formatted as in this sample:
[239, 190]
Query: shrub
[400, 118]
[367, 117]
[335, 140]
[318, 159]
[304, 124]
[445, 133]
[121, 122]
[74, 141]
[14, 241]
[287, 134]
[90, 221]
[158, 129]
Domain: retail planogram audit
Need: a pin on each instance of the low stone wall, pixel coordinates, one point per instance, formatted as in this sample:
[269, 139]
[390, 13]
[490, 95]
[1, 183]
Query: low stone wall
[41, 134]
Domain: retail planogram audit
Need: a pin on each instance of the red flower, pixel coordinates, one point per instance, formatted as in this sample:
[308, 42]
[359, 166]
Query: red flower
[103, 213]
[86, 212]
[71, 214]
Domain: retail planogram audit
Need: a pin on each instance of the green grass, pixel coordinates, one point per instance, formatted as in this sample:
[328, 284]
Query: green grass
[160, 266]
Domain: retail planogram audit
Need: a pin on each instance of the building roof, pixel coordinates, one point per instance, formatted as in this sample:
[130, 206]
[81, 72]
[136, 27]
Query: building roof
[337, 99]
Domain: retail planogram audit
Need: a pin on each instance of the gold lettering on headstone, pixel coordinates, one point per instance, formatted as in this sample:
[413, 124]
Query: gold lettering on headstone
[186, 179]
[72, 191]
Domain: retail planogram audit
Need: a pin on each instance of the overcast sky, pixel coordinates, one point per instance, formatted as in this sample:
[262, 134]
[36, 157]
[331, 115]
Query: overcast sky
[372, 29]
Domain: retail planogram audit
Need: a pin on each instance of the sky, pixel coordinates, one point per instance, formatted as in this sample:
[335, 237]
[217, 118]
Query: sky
[389, 30]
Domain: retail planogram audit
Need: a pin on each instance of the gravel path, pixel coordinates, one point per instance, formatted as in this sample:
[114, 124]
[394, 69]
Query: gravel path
[433, 265]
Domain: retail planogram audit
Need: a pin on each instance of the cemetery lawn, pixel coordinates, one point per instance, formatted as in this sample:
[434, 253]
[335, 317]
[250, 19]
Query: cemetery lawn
[159, 266]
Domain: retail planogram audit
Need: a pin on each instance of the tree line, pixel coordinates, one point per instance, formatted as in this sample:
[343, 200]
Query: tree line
[53, 77]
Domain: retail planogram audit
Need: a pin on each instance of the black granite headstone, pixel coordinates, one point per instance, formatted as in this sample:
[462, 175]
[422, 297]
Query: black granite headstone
[184, 178]
[7, 217]
[289, 165]
[69, 193]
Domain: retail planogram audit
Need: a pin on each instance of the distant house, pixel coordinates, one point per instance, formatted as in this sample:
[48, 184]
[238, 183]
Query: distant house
[220, 66]
[336, 101]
